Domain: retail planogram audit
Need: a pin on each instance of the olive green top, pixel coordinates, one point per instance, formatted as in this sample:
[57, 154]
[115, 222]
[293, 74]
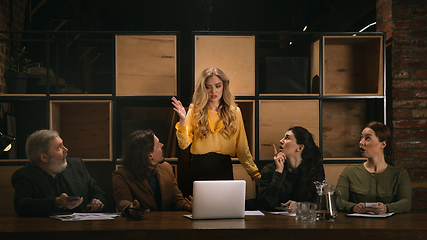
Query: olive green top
[391, 187]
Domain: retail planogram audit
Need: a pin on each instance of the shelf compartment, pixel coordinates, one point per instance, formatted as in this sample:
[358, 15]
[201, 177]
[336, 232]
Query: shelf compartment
[240, 174]
[234, 55]
[314, 67]
[353, 65]
[284, 64]
[342, 124]
[146, 65]
[161, 120]
[247, 107]
[277, 116]
[84, 126]
[20, 119]
[333, 172]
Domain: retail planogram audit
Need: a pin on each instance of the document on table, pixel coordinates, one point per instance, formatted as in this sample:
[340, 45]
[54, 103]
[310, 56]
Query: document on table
[86, 216]
[370, 214]
[284, 213]
[254, 213]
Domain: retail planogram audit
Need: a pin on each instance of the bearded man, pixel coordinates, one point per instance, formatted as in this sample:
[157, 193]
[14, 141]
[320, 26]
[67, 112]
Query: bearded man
[52, 183]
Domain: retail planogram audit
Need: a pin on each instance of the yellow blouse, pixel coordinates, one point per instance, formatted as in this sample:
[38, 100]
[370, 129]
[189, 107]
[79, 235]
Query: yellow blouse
[215, 141]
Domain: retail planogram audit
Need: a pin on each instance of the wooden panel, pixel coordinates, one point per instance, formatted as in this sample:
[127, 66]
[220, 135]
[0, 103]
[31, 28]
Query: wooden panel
[333, 172]
[7, 191]
[85, 127]
[55, 116]
[241, 174]
[234, 55]
[342, 124]
[161, 120]
[276, 117]
[353, 65]
[146, 65]
[314, 67]
[247, 108]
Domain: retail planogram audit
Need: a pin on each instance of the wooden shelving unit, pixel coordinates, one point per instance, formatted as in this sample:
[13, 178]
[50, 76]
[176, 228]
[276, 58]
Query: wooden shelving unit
[117, 82]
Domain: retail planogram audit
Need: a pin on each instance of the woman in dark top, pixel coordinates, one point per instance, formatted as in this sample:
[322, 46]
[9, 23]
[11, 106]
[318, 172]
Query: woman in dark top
[297, 165]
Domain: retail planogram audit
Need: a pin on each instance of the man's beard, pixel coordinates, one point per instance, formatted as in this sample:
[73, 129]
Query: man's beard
[57, 165]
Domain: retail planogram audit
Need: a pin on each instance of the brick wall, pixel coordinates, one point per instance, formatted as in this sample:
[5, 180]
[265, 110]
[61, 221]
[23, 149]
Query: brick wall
[405, 24]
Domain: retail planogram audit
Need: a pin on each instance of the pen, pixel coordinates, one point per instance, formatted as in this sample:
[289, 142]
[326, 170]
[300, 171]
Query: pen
[282, 208]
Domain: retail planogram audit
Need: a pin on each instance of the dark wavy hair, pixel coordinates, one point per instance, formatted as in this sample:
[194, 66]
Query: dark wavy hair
[383, 133]
[139, 145]
[310, 166]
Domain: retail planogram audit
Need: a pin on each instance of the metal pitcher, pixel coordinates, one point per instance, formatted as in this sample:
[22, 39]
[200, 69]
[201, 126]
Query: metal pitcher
[326, 208]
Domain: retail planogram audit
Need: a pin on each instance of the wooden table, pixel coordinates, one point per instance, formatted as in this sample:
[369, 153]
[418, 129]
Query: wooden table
[172, 225]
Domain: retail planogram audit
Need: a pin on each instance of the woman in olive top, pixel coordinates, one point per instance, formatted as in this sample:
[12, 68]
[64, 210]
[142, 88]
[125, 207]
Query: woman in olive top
[376, 180]
[214, 127]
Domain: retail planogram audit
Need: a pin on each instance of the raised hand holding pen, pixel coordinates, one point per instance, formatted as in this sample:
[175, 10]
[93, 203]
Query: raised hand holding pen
[290, 206]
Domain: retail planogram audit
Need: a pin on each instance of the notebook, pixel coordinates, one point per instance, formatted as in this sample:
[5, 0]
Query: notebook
[218, 199]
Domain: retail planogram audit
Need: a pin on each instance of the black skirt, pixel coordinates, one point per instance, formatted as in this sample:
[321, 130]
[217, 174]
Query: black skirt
[211, 166]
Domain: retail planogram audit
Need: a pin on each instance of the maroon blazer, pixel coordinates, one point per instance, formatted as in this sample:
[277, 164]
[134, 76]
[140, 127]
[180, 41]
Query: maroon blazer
[126, 188]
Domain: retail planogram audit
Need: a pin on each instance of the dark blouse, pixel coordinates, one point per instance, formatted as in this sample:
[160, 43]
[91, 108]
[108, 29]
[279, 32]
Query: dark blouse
[276, 188]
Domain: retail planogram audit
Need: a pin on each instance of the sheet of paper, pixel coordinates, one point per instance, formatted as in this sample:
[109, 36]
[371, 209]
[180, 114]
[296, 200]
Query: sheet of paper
[254, 213]
[370, 214]
[284, 213]
[86, 216]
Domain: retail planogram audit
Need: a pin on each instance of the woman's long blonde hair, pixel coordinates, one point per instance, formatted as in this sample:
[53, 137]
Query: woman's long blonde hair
[226, 105]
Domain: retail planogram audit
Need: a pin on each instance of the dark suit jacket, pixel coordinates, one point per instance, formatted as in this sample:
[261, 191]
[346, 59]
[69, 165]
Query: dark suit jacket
[34, 195]
[126, 189]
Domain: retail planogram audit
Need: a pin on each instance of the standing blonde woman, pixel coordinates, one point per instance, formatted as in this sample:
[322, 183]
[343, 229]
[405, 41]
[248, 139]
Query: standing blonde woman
[214, 127]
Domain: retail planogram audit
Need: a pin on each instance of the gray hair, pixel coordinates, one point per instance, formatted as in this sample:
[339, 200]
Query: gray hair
[39, 142]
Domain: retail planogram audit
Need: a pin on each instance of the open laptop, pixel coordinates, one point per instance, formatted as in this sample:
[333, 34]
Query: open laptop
[218, 199]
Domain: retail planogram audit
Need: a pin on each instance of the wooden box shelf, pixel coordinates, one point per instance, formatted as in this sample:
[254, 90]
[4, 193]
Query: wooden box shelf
[127, 80]
[234, 55]
[21, 119]
[277, 116]
[161, 120]
[146, 65]
[342, 125]
[240, 174]
[353, 65]
[85, 126]
[343, 122]
[247, 107]
[285, 63]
